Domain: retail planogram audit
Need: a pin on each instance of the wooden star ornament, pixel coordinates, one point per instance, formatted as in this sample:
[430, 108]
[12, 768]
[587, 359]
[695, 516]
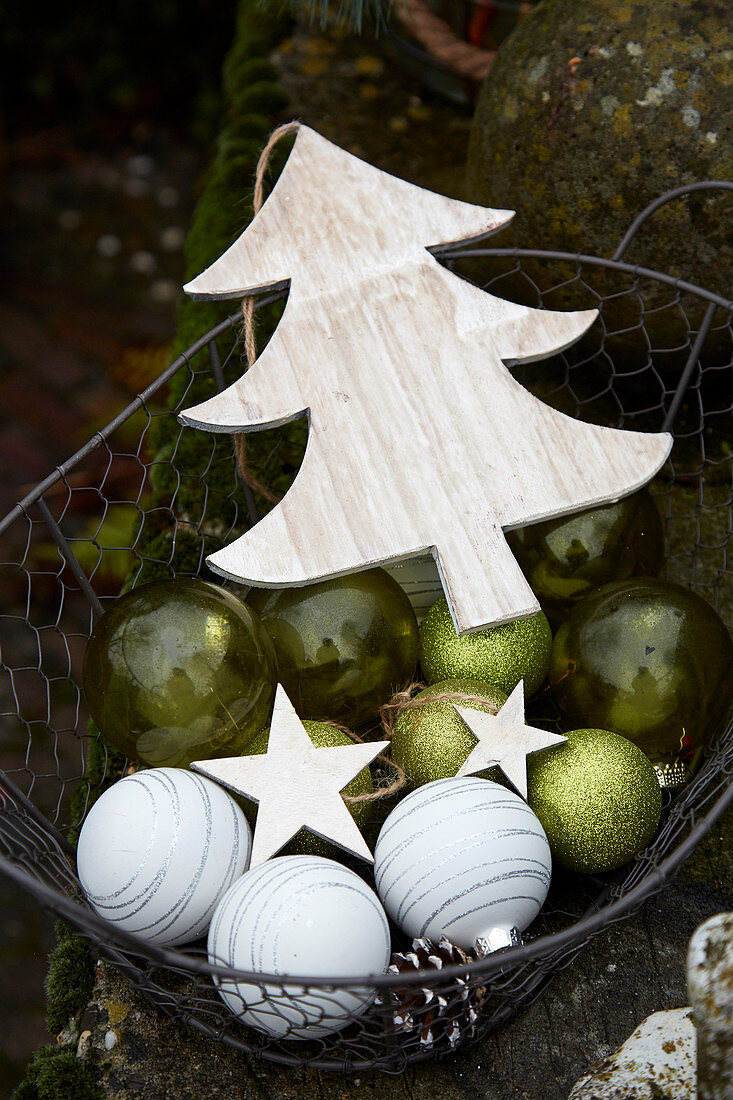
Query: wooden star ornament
[296, 785]
[504, 740]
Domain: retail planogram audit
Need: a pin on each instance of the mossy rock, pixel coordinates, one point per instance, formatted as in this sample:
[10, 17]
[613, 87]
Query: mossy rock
[590, 112]
[263, 95]
[253, 100]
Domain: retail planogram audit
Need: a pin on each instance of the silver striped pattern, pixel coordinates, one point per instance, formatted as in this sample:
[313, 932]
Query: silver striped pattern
[420, 580]
[193, 844]
[285, 917]
[459, 857]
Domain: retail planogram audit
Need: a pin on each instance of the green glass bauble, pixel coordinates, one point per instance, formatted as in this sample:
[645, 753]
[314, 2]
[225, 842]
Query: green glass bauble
[178, 671]
[647, 659]
[597, 797]
[343, 646]
[304, 842]
[502, 655]
[564, 559]
[430, 739]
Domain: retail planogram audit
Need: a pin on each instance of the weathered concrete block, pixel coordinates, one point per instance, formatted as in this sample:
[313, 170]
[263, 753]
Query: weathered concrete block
[710, 985]
[658, 1059]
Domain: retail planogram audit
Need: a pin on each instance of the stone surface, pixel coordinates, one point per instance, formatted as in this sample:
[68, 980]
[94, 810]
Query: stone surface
[657, 1059]
[593, 110]
[710, 985]
[684, 1052]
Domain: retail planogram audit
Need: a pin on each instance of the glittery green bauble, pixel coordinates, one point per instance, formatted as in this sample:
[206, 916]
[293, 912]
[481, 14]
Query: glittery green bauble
[178, 671]
[647, 659]
[597, 797]
[564, 559]
[343, 646]
[304, 842]
[502, 655]
[430, 740]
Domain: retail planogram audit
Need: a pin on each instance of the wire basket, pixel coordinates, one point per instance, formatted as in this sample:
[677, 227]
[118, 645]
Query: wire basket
[660, 357]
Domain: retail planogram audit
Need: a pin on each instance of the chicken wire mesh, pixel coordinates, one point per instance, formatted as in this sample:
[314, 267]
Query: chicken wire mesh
[659, 357]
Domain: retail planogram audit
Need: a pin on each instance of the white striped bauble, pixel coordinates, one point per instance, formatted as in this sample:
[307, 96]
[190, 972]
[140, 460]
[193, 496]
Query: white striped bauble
[158, 850]
[462, 858]
[299, 916]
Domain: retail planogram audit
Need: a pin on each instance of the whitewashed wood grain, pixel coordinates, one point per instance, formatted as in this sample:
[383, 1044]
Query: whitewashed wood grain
[505, 740]
[296, 785]
[420, 441]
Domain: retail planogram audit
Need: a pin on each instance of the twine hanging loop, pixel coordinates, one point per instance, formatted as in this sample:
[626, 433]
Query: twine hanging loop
[248, 307]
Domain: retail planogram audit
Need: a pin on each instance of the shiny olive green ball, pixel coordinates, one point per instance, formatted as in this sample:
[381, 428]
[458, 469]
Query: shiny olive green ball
[430, 740]
[343, 646]
[304, 842]
[647, 659]
[178, 671]
[597, 797]
[564, 559]
[502, 655]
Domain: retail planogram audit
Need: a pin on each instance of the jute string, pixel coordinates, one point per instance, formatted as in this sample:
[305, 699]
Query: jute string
[403, 700]
[248, 309]
[386, 787]
[441, 41]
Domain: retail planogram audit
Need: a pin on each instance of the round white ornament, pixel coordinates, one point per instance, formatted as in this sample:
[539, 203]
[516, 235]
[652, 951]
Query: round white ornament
[463, 858]
[158, 850]
[300, 916]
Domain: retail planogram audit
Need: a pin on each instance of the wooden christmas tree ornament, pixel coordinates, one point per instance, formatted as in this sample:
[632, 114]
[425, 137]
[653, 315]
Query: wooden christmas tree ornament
[420, 440]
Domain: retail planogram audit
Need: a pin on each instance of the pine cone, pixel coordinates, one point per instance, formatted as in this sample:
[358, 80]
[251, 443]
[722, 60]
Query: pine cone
[449, 1013]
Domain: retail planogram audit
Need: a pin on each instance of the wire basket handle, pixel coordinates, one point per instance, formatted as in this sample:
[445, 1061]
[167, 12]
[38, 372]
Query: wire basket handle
[662, 200]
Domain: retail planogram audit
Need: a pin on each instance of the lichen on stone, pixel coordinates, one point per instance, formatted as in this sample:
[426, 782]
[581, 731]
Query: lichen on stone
[560, 107]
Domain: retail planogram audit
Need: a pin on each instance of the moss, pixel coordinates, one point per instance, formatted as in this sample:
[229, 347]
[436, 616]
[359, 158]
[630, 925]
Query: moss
[245, 129]
[193, 479]
[175, 552]
[243, 71]
[70, 979]
[196, 501]
[252, 99]
[103, 763]
[57, 1074]
[264, 95]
